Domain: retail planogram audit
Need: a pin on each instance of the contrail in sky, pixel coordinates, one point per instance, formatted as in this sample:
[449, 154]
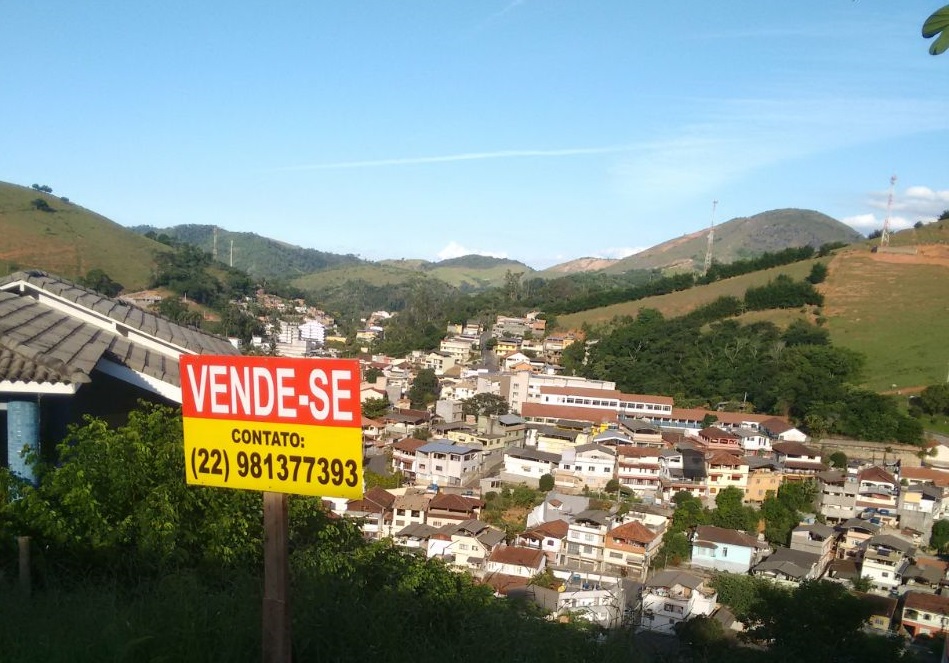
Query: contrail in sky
[465, 156]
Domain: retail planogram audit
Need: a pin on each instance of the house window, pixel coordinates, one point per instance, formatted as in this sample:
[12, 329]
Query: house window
[885, 574]
[438, 468]
[566, 467]
[724, 552]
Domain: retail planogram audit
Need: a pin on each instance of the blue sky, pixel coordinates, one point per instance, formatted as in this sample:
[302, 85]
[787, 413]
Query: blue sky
[540, 130]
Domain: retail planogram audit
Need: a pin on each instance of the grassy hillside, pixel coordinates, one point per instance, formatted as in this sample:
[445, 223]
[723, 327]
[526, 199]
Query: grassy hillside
[679, 303]
[891, 307]
[744, 237]
[895, 310]
[375, 274]
[70, 240]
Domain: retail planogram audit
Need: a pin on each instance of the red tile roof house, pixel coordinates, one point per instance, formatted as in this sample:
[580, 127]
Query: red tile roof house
[547, 537]
[67, 351]
[629, 550]
[800, 461]
[925, 614]
[516, 561]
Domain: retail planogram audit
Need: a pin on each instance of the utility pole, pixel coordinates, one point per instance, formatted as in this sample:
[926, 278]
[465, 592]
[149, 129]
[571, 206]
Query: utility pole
[711, 238]
[885, 235]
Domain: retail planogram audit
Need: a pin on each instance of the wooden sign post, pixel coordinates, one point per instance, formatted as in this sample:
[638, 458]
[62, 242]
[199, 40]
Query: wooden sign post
[282, 426]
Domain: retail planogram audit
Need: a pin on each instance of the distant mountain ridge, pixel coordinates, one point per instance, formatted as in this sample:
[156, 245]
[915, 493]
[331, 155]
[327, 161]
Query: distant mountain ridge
[742, 237]
[259, 256]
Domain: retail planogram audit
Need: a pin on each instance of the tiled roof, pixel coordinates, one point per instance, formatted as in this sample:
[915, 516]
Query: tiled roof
[633, 531]
[876, 474]
[529, 557]
[937, 477]
[555, 529]
[586, 414]
[794, 449]
[54, 331]
[452, 502]
[409, 444]
[732, 537]
[927, 602]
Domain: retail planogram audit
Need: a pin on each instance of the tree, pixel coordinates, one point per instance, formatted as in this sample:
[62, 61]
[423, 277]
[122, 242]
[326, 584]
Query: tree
[818, 273]
[99, 281]
[117, 498]
[731, 513]
[937, 24]
[940, 535]
[424, 389]
[373, 408]
[41, 205]
[861, 583]
[546, 483]
[838, 459]
[484, 404]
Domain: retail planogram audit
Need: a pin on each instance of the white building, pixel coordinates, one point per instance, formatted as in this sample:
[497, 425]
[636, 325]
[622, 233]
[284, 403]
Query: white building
[671, 597]
[446, 464]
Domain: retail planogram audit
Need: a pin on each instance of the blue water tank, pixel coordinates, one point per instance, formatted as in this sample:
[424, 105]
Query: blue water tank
[23, 436]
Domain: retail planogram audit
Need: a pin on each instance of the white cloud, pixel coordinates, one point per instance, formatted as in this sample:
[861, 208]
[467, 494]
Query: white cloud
[455, 250]
[916, 203]
[866, 223]
[463, 156]
[619, 252]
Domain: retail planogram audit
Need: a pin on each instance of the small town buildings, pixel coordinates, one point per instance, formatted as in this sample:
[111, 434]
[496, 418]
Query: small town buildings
[547, 537]
[779, 429]
[588, 465]
[557, 506]
[410, 509]
[725, 470]
[527, 465]
[465, 545]
[788, 566]
[586, 538]
[716, 439]
[837, 493]
[629, 549]
[818, 539]
[765, 476]
[375, 512]
[721, 549]
[637, 469]
[800, 462]
[444, 464]
[671, 597]
[885, 559]
[925, 614]
[919, 507]
[882, 611]
[515, 561]
[405, 456]
[448, 508]
[854, 534]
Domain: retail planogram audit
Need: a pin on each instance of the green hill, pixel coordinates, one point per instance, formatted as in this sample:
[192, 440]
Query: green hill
[891, 307]
[743, 237]
[69, 240]
[261, 257]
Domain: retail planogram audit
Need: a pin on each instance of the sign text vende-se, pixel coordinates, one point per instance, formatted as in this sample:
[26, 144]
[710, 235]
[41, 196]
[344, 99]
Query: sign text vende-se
[273, 424]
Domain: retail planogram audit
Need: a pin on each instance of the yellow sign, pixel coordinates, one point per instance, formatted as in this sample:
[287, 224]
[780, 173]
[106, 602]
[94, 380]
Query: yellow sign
[273, 424]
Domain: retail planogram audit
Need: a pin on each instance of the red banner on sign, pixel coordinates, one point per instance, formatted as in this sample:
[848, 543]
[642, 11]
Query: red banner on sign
[321, 392]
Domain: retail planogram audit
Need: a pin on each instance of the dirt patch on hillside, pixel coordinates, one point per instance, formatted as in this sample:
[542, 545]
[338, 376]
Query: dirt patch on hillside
[927, 254]
[864, 268]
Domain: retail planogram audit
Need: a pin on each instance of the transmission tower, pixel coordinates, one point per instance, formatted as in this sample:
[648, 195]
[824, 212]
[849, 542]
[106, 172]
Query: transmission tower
[711, 238]
[214, 242]
[885, 235]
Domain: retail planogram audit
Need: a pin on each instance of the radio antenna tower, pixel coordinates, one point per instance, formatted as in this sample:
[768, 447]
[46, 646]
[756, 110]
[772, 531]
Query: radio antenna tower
[214, 242]
[711, 238]
[885, 235]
